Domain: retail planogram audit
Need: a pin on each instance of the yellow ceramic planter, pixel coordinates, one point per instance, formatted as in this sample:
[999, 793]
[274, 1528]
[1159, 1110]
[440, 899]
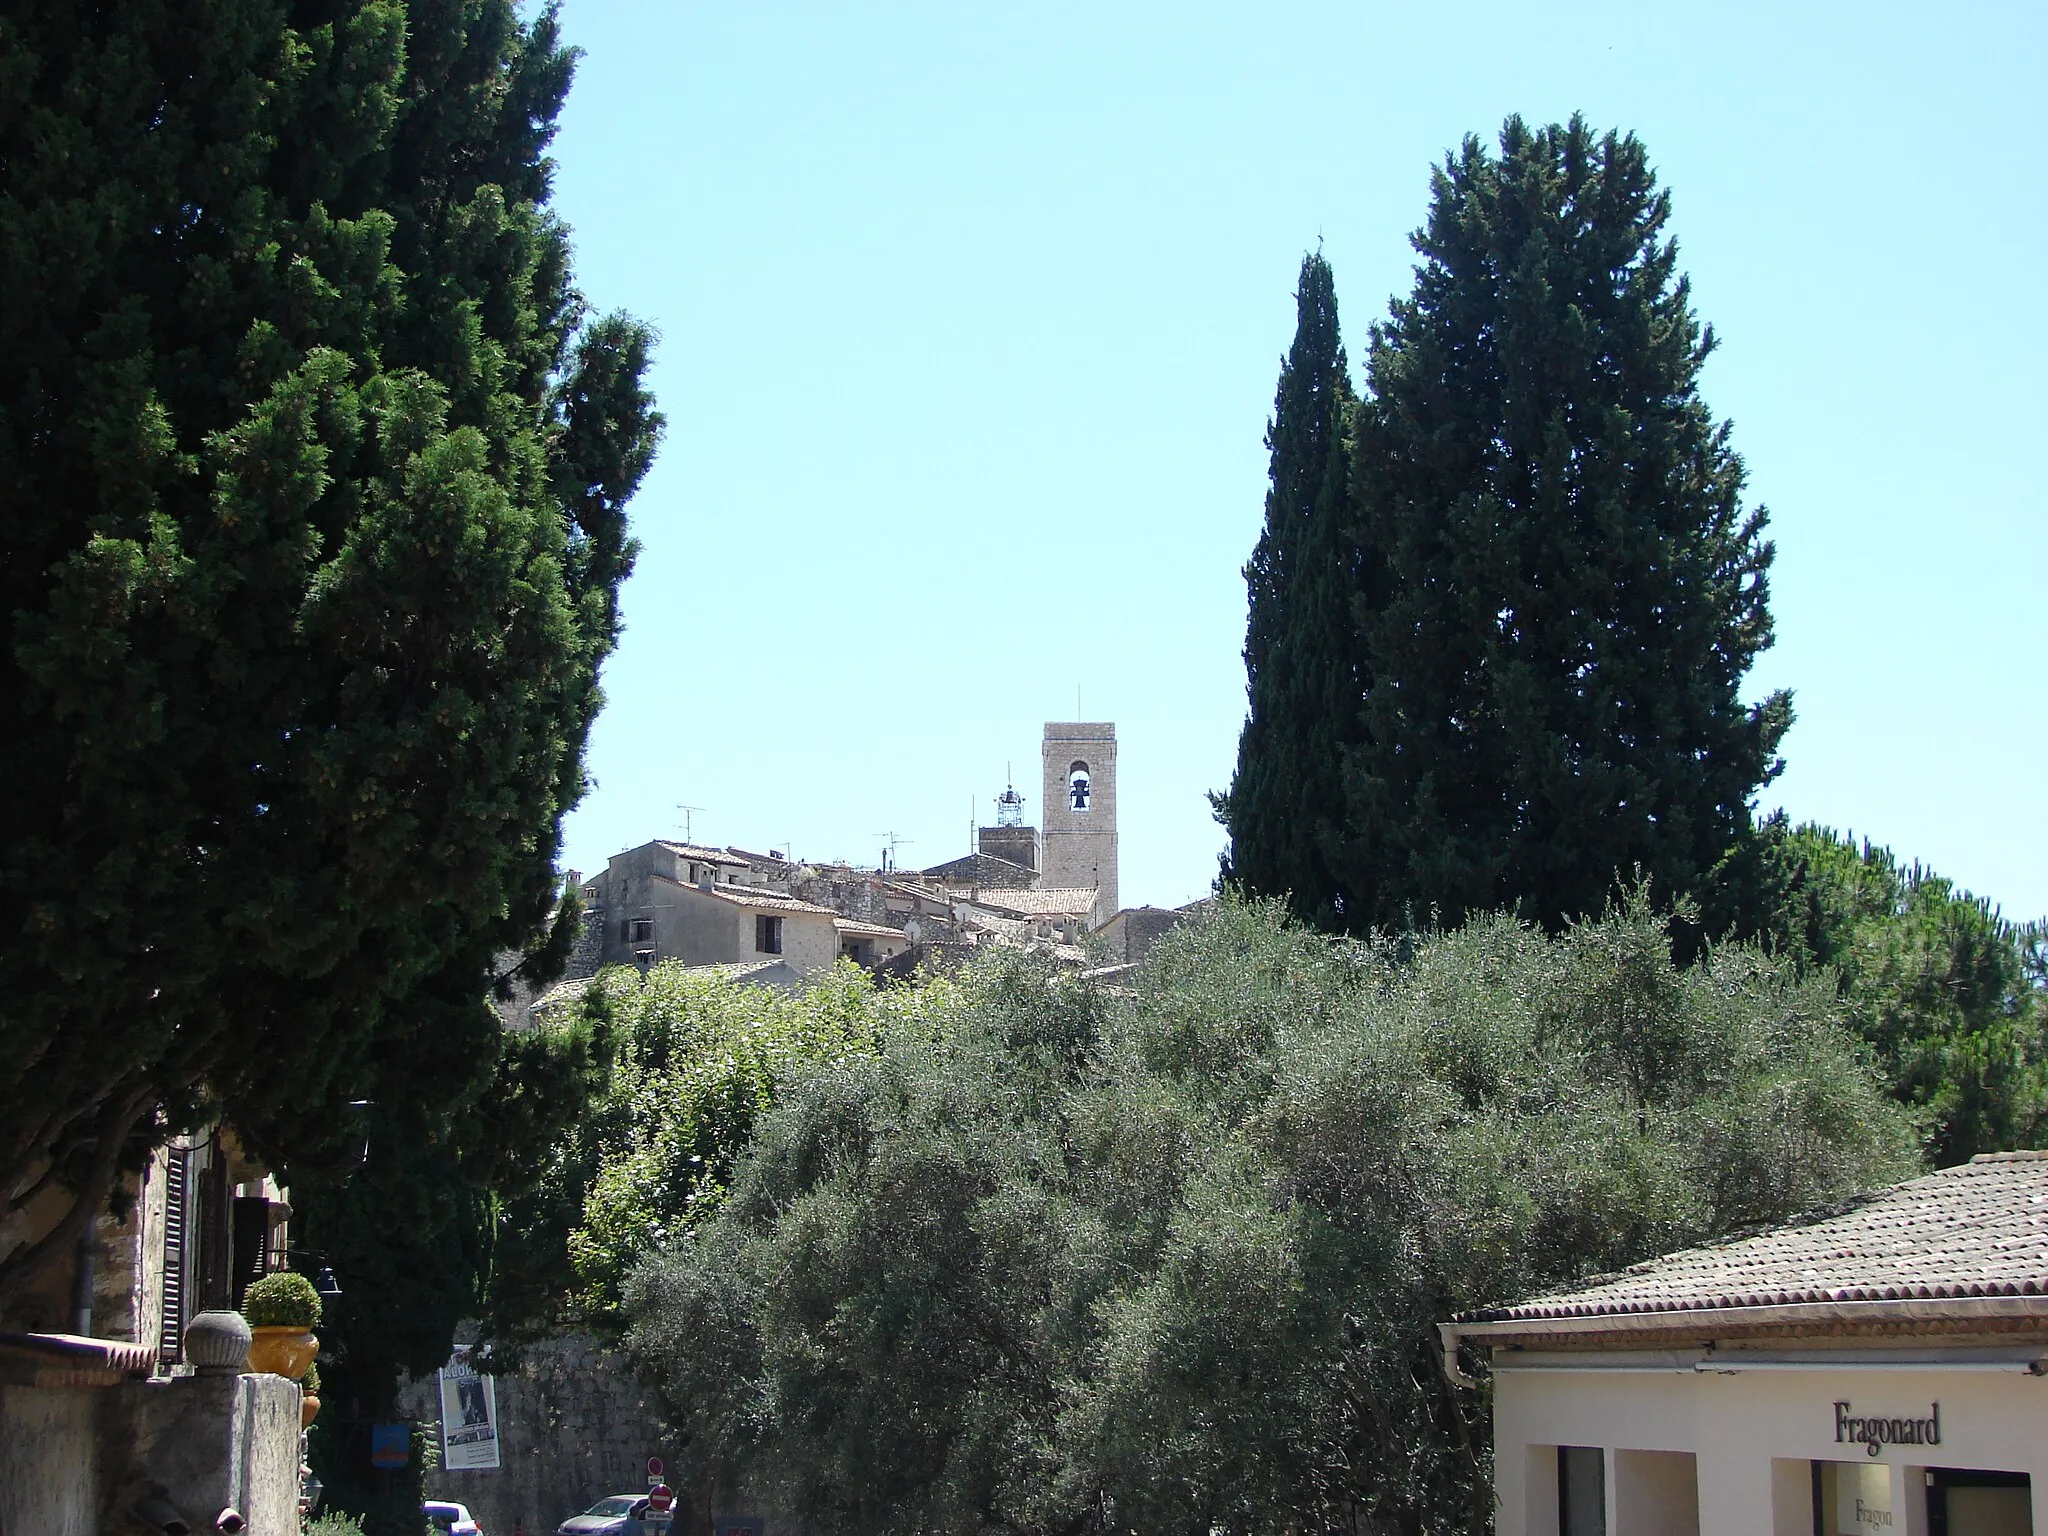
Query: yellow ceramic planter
[309, 1409]
[282, 1351]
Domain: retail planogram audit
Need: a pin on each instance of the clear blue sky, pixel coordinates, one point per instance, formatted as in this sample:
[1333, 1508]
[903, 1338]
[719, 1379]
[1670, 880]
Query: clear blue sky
[971, 323]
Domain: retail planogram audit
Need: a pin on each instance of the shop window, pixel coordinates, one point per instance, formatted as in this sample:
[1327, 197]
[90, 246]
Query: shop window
[1966, 1503]
[1581, 1490]
[768, 934]
[1854, 1498]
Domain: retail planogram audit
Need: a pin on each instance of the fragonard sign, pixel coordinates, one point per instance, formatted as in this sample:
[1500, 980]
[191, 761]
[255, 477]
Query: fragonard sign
[1875, 1434]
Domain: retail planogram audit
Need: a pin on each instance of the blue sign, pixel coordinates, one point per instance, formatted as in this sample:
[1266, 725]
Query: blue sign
[390, 1445]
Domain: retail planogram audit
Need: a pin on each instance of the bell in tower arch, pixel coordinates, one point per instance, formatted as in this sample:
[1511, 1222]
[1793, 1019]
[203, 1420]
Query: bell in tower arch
[1077, 786]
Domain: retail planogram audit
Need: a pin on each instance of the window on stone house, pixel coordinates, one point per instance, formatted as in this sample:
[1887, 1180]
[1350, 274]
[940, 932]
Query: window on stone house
[768, 934]
[639, 930]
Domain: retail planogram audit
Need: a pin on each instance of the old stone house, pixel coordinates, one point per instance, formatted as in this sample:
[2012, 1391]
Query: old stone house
[98, 1401]
[703, 906]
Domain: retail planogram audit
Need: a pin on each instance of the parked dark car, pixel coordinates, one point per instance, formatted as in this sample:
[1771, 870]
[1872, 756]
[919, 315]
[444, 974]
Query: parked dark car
[622, 1514]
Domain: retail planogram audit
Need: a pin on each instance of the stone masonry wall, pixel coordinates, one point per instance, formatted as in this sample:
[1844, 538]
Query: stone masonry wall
[573, 1426]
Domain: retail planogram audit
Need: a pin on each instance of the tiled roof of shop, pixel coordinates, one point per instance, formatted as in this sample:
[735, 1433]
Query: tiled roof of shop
[1980, 1229]
[1056, 903]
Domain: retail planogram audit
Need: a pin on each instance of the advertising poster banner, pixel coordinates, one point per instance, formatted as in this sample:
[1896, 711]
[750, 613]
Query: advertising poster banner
[469, 1417]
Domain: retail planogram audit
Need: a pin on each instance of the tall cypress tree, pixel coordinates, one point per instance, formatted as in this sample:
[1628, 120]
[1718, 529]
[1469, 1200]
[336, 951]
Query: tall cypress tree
[1565, 590]
[313, 473]
[1287, 794]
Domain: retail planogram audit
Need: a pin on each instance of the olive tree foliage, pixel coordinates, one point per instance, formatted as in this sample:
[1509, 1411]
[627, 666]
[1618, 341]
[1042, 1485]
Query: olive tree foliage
[313, 469]
[1057, 1257]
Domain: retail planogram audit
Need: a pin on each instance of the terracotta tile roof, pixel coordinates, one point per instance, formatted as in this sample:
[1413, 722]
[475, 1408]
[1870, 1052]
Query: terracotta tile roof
[1980, 1229]
[565, 991]
[702, 854]
[67, 1360]
[872, 930]
[759, 900]
[1055, 903]
[746, 970]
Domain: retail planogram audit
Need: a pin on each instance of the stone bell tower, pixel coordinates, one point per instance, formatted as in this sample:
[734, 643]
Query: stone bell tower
[1080, 809]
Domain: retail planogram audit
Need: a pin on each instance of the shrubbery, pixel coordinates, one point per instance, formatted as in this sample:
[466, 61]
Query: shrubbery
[694, 1060]
[283, 1300]
[1055, 1257]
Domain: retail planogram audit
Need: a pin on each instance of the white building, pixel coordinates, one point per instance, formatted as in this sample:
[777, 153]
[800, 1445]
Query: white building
[1878, 1371]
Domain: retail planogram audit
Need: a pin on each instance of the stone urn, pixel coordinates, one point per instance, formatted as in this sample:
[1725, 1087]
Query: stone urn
[282, 1350]
[217, 1343]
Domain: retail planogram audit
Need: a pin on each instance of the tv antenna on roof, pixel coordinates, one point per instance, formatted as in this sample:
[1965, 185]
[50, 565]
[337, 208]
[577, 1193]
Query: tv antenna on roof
[891, 843]
[688, 811]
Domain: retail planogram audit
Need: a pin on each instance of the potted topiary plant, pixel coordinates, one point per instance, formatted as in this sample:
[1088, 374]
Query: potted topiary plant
[282, 1310]
[309, 1396]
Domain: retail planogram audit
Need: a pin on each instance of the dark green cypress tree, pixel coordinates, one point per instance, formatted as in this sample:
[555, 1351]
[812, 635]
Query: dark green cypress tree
[1565, 590]
[313, 472]
[1287, 795]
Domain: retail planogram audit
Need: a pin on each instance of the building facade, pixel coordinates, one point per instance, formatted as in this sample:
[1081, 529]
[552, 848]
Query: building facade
[1881, 1372]
[702, 906]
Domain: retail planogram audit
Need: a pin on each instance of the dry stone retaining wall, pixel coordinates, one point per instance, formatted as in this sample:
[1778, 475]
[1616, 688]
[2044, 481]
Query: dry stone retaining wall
[573, 1426]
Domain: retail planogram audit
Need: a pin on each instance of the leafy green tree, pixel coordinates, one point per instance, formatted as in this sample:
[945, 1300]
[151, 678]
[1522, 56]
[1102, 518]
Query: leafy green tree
[313, 469]
[1943, 988]
[432, 1229]
[1559, 588]
[1287, 796]
[1057, 1258]
[696, 1060]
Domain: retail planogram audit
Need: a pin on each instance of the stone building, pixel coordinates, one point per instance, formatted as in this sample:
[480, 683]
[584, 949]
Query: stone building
[1080, 809]
[704, 906]
[1077, 848]
[769, 920]
[1128, 934]
[98, 1403]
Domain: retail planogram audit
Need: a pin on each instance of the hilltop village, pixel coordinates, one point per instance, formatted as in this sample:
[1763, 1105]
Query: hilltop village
[768, 920]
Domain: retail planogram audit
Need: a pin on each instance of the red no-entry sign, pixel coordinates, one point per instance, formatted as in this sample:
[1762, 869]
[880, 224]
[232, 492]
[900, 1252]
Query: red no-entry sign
[661, 1498]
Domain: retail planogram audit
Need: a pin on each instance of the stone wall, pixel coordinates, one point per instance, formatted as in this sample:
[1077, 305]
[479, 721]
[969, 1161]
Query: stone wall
[49, 1460]
[74, 1460]
[573, 1426]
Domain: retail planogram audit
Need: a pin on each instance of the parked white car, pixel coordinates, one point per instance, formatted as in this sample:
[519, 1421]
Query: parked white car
[452, 1518]
[623, 1514]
